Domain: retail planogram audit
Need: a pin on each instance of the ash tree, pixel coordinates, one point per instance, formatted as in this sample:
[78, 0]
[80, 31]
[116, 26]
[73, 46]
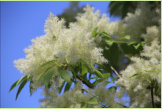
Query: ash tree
[95, 62]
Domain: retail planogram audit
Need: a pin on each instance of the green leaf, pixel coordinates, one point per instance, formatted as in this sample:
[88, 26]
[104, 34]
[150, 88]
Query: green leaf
[137, 46]
[127, 37]
[47, 78]
[99, 74]
[18, 82]
[92, 100]
[65, 75]
[106, 35]
[133, 42]
[106, 75]
[84, 69]
[112, 54]
[21, 87]
[114, 78]
[129, 49]
[94, 32]
[41, 74]
[30, 87]
[109, 42]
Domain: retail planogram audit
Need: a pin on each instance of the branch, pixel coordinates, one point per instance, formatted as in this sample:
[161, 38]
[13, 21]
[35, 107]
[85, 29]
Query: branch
[152, 97]
[119, 76]
[85, 82]
[112, 68]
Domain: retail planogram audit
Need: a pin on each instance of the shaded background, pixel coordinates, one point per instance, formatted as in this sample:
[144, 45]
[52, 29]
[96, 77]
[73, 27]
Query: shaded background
[21, 22]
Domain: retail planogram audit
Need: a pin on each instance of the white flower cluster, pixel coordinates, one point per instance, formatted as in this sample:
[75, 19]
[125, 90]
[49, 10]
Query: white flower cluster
[65, 45]
[135, 24]
[138, 76]
[152, 33]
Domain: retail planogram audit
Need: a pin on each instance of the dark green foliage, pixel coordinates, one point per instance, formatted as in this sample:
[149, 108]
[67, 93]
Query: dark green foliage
[112, 54]
[121, 8]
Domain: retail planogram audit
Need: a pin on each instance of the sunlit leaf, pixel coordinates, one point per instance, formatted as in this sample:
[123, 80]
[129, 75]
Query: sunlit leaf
[19, 81]
[109, 42]
[127, 37]
[98, 73]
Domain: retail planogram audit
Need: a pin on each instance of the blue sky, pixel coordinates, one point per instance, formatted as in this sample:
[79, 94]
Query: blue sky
[21, 22]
